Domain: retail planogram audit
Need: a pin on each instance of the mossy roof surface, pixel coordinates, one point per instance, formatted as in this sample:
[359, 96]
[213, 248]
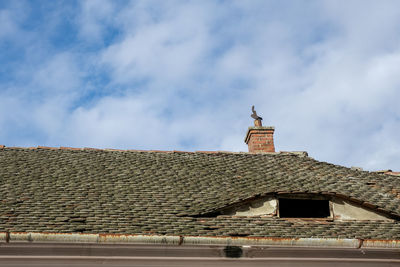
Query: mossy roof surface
[131, 192]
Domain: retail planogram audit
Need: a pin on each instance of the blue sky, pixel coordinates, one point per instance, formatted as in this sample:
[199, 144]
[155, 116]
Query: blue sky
[182, 75]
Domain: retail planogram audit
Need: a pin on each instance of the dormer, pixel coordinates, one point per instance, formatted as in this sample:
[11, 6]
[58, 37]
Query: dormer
[303, 206]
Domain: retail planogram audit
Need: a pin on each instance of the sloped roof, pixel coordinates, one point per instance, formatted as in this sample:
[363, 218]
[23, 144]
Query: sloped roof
[171, 193]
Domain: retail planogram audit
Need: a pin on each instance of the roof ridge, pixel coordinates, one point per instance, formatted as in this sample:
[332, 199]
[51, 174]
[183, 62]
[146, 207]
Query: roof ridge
[297, 153]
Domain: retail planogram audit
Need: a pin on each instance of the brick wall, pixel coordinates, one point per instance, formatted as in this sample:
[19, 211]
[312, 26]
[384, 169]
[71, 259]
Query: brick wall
[260, 139]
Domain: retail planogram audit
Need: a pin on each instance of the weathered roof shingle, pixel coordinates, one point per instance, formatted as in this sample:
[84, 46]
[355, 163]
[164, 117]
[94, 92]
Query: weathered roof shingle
[131, 192]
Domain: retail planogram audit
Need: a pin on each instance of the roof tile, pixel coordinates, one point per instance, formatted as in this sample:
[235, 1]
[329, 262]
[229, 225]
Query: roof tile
[136, 192]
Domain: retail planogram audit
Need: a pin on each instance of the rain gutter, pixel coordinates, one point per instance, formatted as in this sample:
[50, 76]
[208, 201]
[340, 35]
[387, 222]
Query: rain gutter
[16, 237]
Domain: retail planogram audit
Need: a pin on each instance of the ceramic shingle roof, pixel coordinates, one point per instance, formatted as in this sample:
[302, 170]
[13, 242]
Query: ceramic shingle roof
[171, 193]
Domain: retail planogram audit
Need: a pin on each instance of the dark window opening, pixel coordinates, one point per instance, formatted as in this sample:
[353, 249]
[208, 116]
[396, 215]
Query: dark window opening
[303, 208]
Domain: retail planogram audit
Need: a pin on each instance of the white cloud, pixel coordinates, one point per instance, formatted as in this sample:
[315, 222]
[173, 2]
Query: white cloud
[94, 18]
[167, 51]
[60, 74]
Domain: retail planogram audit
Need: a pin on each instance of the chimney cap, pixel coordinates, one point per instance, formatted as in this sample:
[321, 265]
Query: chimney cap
[258, 129]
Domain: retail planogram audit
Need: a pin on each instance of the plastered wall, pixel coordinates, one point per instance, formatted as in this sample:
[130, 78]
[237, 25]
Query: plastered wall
[344, 210]
[265, 206]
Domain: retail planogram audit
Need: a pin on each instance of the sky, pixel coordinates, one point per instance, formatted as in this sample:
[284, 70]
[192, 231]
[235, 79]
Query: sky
[183, 75]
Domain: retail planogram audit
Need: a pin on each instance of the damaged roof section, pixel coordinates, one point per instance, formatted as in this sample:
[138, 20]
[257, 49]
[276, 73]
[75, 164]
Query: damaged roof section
[136, 192]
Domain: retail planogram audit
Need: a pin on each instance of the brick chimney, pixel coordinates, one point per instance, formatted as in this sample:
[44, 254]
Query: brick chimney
[259, 138]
